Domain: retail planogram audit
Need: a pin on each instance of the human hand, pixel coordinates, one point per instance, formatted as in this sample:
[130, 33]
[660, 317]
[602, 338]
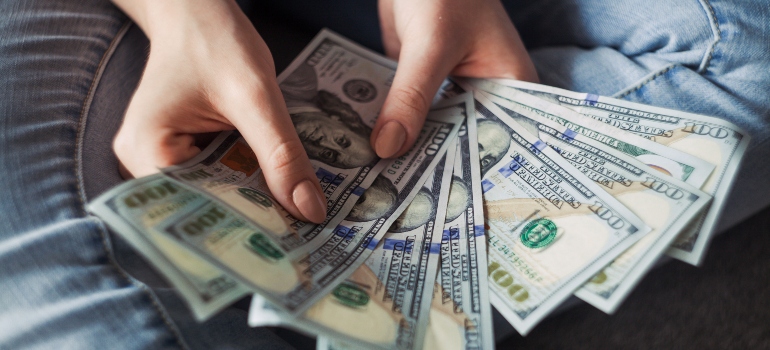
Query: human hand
[208, 70]
[435, 38]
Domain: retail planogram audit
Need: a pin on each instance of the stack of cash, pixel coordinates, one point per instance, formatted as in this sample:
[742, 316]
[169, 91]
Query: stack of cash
[515, 195]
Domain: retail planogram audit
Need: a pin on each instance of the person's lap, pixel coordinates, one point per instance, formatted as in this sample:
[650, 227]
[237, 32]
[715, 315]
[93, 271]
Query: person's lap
[54, 259]
[67, 91]
[701, 56]
[66, 80]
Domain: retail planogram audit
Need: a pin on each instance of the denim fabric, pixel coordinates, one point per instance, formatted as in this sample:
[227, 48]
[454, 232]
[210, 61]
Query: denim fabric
[67, 71]
[65, 83]
[61, 286]
[703, 56]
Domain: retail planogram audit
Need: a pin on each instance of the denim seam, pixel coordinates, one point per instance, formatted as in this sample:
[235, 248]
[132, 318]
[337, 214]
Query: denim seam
[645, 81]
[82, 198]
[712, 17]
[714, 24]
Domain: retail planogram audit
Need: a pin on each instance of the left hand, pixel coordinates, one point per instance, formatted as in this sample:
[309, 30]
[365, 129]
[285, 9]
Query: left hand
[433, 39]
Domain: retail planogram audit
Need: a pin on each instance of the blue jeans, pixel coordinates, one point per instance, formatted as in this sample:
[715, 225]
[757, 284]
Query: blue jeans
[67, 71]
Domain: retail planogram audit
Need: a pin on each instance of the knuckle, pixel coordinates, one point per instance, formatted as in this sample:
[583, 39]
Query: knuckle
[130, 165]
[121, 146]
[411, 101]
[286, 157]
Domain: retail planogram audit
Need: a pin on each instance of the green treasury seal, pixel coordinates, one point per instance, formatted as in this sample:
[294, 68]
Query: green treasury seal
[538, 233]
[350, 295]
[263, 247]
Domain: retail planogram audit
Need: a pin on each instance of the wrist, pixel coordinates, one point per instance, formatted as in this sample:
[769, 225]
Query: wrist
[170, 18]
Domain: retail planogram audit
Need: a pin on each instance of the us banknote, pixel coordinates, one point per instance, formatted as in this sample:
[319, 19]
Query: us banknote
[253, 255]
[134, 209]
[334, 91]
[334, 122]
[665, 204]
[673, 162]
[550, 228]
[385, 303]
[294, 279]
[395, 307]
[720, 143]
[460, 312]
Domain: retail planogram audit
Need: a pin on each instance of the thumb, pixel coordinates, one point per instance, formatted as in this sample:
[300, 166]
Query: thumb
[266, 126]
[419, 74]
[152, 136]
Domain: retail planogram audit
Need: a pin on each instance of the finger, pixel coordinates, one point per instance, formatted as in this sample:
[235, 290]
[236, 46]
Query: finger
[142, 153]
[499, 52]
[265, 124]
[498, 56]
[421, 69]
[158, 130]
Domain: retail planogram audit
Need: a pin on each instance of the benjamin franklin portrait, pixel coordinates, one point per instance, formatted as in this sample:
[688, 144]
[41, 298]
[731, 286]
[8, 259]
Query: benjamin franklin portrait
[330, 130]
[459, 199]
[379, 200]
[494, 140]
[418, 213]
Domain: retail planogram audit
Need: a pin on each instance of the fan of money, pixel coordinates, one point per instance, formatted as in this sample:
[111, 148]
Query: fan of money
[515, 196]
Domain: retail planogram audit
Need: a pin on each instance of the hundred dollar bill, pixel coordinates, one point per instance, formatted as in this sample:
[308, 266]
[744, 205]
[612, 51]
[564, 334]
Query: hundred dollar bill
[334, 91]
[321, 111]
[669, 161]
[550, 228]
[385, 303]
[394, 309]
[461, 315]
[714, 140]
[228, 170]
[460, 312]
[665, 204]
[146, 202]
[294, 279]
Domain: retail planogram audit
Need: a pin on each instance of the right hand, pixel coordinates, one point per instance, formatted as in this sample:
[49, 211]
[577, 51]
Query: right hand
[208, 70]
[435, 38]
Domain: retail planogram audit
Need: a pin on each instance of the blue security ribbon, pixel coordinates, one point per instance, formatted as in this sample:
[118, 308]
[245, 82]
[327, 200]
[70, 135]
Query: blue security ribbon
[358, 191]
[341, 231]
[508, 170]
[486, 185]
[390, 244]
[372, 244]
[569, 135]
[322, 173]
[592, 99]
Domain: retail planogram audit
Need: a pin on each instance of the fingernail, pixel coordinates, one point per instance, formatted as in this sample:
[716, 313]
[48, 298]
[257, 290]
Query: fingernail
[309, 201]
[390, 140]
